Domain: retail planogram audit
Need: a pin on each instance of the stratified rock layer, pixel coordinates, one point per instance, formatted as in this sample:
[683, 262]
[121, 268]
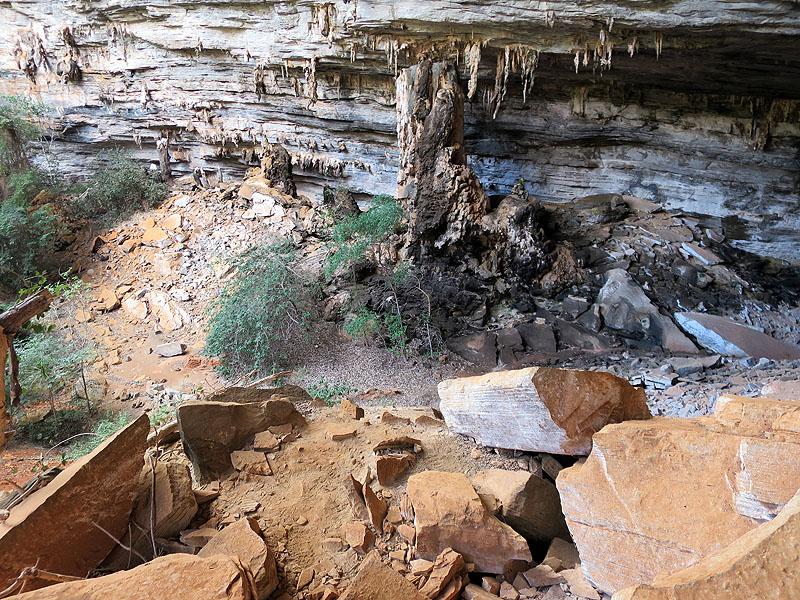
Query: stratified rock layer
[539, 409]
[657, 496]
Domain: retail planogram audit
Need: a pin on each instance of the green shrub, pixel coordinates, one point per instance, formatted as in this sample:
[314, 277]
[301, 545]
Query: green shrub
[17, 131]
[352, 236]
[119, 187]
[102, 427]
[261, 313]
[58, 426]
[323, 390]
[365, 325]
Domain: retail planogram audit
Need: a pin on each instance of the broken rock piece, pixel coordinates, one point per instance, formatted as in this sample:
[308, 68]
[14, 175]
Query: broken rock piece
[244, 540]
[529, 504]
[341, 431]
[358, 537]
[97, 490]
[449, 514]
[173, 577]
[250, 461]
[718, 477]
[377, 581]
[447, 566]
[539, 409]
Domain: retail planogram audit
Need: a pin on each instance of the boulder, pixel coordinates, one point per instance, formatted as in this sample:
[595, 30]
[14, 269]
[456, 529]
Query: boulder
[135, 308]
[448, 513]
[211, 430]
[56, 527]
[170, 350]
[376, 581]
[173, 577]
[478, 348]
[245, 541]
[725, 336]
[782, 390]
[538, 337]
[762, 563]
[175, 506]
[539, 409]
[659, 495]
[528, 503]
[625, 307]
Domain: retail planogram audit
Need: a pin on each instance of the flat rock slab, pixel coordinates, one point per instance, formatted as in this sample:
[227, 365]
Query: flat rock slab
[54, 527]
[170, 350]
[448, 513]
[173, 577]
[539, 409]
[658, 496]
[376, 581]
[760, 564]
[725, 336]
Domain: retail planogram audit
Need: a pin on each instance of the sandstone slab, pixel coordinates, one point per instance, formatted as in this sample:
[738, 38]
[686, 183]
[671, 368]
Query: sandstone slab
[448, 513]
[245, 541]
[717, 478]
[376, 581]
[528, 503]
[98, 489]
[725, 336]
[173, 577]
[211, 430]
[251, 461]
[539, 409]
[761, 563]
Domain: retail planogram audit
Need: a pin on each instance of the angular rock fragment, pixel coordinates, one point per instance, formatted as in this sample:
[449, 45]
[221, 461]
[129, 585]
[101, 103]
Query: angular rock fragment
[377, 581]
[170, 350]
[474, 592]
[539, 409]
[266, 441]
[718, 477]
[250, 461]
[376, 507]
[761, 563]
[447, 566]
[528, 503]
[173, 577]
[725, 336]
[625, 307]
[211, 430]
[341, 431]
[358, 537]
[245, 541]
[97, 490]
[450, 514]
[395, 457]
[562, 555]
[351, 409]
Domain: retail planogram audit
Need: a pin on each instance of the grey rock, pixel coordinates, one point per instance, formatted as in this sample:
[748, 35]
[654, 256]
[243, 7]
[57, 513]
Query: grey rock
[169, 350]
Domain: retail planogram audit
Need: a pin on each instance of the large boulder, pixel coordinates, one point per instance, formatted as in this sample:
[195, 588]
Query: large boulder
[657, 496]
[173, 577]
[244, 540]
[211, 430]
[725, 336]
[528, 503]
[448, 513]
[58, 528]
[626, 308]
[539, 409]
[761, 563]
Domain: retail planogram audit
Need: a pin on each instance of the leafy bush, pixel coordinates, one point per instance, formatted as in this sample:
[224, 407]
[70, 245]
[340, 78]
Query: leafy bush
[103, 427]
[261, 313]
[323, 390]
[17, 131]
[119, 187]
[352, 236]
[365, 324]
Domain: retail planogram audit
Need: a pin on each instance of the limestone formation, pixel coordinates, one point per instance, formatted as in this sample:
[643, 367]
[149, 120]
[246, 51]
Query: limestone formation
[85, 508]
[660, 495]
[759, 564]
[449, 514]
[528, 503]
[244, 541]
[175, 577]
[539, 409]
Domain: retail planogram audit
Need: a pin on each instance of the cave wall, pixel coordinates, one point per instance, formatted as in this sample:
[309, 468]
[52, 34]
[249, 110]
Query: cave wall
[691, 103]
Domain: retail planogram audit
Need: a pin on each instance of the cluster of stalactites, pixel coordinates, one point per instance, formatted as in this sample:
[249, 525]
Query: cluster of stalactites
[517, 58]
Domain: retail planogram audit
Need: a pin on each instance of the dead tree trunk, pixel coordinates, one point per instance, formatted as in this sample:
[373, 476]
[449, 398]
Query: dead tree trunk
[5, 419]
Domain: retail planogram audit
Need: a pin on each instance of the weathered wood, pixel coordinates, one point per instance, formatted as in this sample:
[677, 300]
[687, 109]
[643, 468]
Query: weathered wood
[5, 419]
[539, 409]
[15, 317]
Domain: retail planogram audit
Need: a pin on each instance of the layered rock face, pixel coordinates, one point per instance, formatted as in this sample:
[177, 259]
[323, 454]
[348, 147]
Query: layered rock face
[693, 105]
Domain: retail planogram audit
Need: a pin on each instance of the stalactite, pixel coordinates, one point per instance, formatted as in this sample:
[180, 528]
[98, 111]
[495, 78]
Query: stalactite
[633, 47]
[325, 165]
[472, 56]
[659, 43]
[501, 79]
[550, 18]
[577, 104]
[311, 78]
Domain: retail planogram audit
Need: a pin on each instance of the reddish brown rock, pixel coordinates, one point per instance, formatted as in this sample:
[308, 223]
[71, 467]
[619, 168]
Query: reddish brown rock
[390, 467]
[358, 536]
[99, 489]
[351, 409]
[529, 504]
[244, 540]
[539, 409]
[341, 431]
[376, 508]
[762, 563]
[449, 514]
[250, 461]
[173, 577]
[266, 441]
[657, 496]
[376, 581]
[447, 566]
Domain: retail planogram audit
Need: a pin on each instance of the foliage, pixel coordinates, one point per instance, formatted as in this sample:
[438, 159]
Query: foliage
[396, 332]
[261, 313]
[365, 325]
[323, 390]
[119, 187]
[17, 130]
[368, 325]
[58, 426]
[352, 236]
[162, 415]
[48, 363]
[103, 427]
